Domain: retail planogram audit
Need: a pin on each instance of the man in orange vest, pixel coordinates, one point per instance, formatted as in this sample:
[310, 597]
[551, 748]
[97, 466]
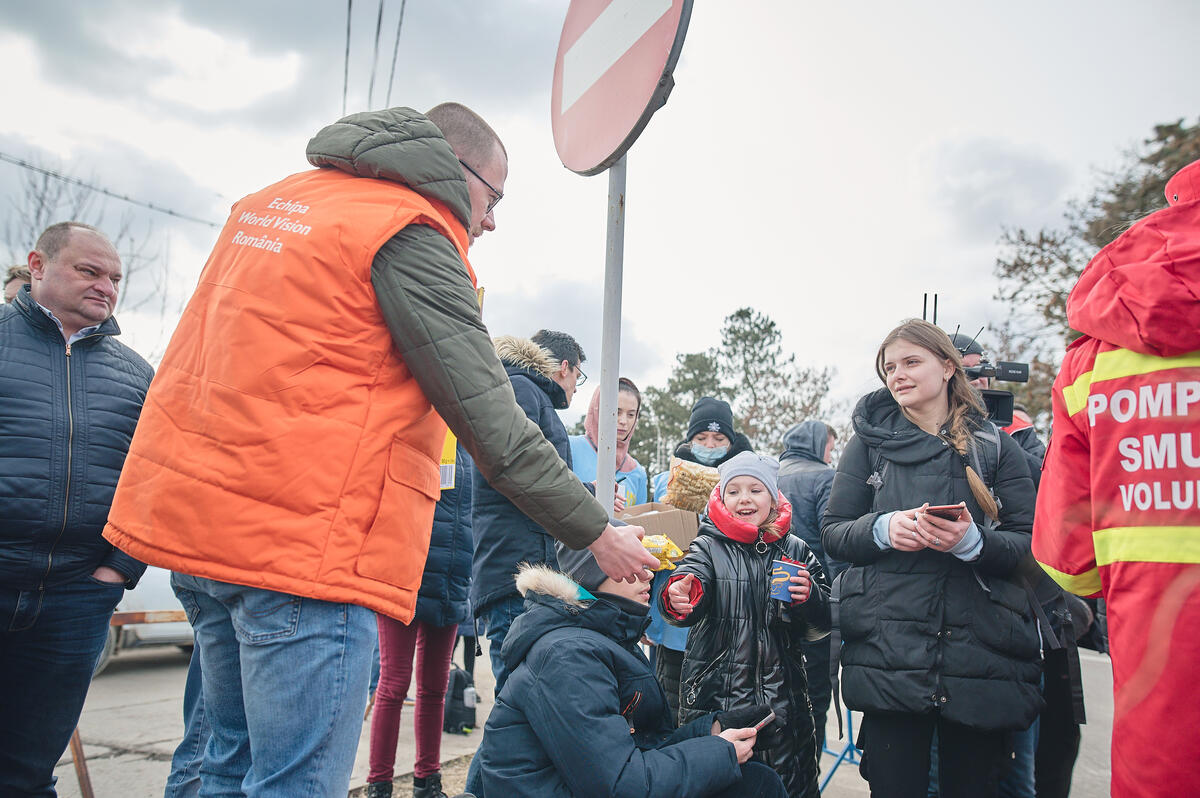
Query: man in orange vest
[1118, 510]
[286, 465]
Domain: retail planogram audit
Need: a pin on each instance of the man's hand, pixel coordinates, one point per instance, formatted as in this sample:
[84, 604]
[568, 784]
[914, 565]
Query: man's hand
[106, 574]
[679, 594]
[620, 554]
[743, 742]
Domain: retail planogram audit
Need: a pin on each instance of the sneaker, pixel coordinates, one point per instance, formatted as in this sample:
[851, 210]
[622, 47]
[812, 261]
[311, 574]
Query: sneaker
[432, 788]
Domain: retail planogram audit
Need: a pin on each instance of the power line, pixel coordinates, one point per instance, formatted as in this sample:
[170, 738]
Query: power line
[346, 70]
[375, 56]
[106, 192]
[388, 102]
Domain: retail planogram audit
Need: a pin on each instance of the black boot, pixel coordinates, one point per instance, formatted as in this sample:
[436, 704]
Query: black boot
[379, 789]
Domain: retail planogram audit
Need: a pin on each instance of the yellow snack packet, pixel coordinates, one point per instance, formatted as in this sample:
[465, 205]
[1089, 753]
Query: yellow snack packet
[664, 549]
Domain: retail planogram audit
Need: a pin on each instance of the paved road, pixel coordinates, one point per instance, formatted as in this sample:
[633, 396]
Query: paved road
[132, 722]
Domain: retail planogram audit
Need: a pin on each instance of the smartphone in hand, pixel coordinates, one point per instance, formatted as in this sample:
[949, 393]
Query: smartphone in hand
[768, 719]
[950, 512]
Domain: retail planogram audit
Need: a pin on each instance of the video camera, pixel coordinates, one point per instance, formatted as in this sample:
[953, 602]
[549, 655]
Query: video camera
[999, 403]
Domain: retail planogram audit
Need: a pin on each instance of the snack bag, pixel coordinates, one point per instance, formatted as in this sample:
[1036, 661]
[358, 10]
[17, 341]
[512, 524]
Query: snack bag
[664, 549]
[690, 484]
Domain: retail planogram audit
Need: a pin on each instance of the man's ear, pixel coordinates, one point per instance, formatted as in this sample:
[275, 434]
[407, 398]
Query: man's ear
[37, 265]
[564, 369]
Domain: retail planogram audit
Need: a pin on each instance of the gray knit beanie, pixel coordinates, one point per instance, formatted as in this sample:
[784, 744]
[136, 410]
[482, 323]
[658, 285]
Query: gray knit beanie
[581, 566]
[749, 464]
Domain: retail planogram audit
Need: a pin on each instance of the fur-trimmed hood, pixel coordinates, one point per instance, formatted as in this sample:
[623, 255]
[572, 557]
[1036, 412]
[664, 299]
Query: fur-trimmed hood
[523, 358]
[554, 601]
[524, 353]
[548, 582]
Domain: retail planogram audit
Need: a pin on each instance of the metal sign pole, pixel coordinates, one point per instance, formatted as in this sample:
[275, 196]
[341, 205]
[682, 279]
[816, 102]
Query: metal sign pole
[610, 352]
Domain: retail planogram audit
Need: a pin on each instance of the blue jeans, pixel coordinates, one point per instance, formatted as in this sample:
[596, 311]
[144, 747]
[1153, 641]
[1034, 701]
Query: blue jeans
[50, 641]
[498, 617]
[184, 779]
[283, 677]
[1018, 781]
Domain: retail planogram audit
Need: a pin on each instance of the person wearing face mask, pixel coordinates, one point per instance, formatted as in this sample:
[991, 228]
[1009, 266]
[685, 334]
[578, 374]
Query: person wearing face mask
[631, 475]
[711, 440]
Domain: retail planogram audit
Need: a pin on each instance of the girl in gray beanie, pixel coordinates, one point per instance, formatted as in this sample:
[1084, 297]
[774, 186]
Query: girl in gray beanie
[744, 646]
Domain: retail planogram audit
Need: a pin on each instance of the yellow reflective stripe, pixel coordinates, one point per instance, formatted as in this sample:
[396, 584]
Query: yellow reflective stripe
[1084, 584]
[1075, 395]
[1124, 363]
[1178, 544]
[1120, 363]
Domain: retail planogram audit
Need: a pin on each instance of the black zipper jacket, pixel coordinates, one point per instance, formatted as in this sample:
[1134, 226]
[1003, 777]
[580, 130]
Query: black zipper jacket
[745, 647]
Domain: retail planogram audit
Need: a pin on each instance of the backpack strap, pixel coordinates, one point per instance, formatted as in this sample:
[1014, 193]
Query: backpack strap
[984, 453]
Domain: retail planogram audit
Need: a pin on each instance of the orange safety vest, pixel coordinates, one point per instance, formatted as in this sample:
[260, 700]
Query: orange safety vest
[284, 444]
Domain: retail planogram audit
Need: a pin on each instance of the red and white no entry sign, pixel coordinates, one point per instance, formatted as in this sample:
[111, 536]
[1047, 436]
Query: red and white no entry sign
[613, 71]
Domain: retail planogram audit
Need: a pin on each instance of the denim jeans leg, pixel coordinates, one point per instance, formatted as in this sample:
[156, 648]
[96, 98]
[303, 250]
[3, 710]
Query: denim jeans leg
[184, 779]
[1018, 778]
[299, 668]
[49, 643]
[499, 617]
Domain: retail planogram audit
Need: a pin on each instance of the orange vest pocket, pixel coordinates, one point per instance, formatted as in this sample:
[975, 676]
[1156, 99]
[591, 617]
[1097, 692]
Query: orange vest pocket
[398, 540]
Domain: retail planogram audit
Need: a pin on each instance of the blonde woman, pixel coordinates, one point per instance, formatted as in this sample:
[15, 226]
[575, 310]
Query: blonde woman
[938, 633]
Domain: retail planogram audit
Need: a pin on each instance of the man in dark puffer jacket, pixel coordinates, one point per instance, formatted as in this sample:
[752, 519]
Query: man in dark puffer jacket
[70, 396]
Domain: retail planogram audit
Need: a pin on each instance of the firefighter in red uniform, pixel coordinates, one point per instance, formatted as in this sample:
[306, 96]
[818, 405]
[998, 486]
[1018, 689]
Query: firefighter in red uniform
[1118, 512]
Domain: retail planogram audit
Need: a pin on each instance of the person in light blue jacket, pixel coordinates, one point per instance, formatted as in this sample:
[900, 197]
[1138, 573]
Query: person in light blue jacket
[630, 475]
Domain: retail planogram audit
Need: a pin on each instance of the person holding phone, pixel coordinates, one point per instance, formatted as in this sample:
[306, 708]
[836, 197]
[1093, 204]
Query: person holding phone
[937, 628]
[582, 714]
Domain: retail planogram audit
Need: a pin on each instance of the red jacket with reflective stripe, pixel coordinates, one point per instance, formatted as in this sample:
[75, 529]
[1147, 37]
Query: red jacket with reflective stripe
[1119, 505]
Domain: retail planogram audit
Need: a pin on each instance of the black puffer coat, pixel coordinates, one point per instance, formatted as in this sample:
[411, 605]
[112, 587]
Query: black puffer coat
[745, 647]
[925, 630]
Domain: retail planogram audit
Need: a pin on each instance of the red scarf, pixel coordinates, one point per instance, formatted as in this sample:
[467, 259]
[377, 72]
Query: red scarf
[735, 528]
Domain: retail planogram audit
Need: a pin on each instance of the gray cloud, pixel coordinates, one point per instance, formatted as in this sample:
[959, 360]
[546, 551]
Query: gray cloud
[577, 309]
[494, 54]
[988, 184]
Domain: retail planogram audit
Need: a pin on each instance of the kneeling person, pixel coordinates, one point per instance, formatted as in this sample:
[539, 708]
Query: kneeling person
[582, 714]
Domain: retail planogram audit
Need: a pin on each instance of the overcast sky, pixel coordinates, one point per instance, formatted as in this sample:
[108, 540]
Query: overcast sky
[825, 163]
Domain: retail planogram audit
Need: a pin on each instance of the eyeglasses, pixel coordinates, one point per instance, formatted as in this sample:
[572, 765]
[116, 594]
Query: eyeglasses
[498, 197]
[581, 379]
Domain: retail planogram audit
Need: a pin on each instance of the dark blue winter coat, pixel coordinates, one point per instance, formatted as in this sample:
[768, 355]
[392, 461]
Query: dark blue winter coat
[442, 599]
[806, 479]
[505, 536]
[582, 714]
[67, 415]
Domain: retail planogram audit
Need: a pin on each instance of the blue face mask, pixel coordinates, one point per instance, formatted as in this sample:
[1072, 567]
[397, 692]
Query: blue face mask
[708, 455]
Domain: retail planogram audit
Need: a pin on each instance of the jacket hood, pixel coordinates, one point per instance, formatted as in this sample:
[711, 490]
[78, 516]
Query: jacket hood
[878, 420]
[806, 441]
[1142, 291]
[523, 356]
[554, 601]
[397, 144]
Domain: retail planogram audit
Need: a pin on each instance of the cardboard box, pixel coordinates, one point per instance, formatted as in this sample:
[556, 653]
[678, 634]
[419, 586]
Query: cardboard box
[663, 519]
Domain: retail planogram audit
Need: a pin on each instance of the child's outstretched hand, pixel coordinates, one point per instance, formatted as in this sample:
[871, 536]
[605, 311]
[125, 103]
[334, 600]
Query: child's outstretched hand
[679, 594]
[800, 587]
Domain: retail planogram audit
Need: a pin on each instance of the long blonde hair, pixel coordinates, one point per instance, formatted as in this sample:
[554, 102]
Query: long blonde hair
[960, 396]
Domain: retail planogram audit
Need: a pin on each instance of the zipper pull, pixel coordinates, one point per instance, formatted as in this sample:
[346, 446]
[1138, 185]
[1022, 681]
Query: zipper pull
[68, 350]
[760, 545]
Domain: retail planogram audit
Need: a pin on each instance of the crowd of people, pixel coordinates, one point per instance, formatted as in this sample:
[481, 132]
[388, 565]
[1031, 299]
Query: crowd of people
[351, 479]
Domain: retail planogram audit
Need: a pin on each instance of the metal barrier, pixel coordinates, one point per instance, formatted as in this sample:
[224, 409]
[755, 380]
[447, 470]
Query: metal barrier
[848, 754]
